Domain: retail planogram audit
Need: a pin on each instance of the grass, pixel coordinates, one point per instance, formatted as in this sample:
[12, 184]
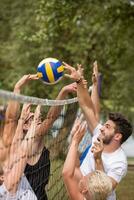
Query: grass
[125, 190]
[56, 189]
[131, 160]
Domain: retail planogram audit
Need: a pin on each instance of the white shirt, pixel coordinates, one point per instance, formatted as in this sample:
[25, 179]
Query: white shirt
[24, 192]
[115, 163]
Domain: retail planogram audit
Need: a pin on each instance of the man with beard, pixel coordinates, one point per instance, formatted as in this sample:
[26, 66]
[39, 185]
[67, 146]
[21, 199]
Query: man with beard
[105, 153]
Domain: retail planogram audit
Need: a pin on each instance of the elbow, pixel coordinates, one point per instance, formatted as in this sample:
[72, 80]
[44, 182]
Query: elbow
[66, 174]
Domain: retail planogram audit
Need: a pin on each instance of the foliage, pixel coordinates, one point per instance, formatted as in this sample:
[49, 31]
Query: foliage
[73, 31]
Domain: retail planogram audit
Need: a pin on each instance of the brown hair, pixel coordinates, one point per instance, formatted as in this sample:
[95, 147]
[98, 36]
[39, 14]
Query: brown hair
[123, 126]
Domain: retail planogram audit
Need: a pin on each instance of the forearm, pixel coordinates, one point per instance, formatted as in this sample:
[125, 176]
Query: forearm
[8, 133]
[84, 97]
[17, 139]
[96, 101]
[54, 111]
[11, 117]
[13, 107]
[17, 165]
[99, 164]
[52, 115]
[86, 106]
[71, 161]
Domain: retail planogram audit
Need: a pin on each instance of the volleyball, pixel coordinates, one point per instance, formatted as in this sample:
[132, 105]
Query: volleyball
[50, 70]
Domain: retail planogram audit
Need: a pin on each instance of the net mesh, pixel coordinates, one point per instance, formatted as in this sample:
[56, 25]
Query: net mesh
[44, 168]
[44, 175]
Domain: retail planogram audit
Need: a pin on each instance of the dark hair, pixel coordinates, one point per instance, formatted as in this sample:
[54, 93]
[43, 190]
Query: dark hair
[123, 126]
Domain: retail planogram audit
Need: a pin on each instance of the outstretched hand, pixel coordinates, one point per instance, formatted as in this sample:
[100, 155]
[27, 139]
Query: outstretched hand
[78, 131]
[25, 79]
[25, 112]
[97, 148]
[73, 73]
[71, 88]
[95, 74]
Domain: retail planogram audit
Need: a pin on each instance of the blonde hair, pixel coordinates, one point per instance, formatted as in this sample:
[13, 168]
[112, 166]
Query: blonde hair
[100, 185]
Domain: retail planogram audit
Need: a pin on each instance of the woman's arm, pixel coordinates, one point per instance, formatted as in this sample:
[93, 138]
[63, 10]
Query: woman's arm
[12, 111]
[54, 111]
[19, 152]
[68, 172]
[18, 137]
[17, 158]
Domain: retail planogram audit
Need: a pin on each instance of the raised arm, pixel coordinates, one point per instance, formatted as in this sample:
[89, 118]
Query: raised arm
[54, 111]
[84, 98]
[19, 135]
[12, 111]
[18, 157]
[97, 150]
[68, 172]
[95, 91]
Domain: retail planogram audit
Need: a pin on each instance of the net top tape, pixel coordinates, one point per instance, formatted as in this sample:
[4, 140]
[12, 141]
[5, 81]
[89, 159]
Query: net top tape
[7, 95]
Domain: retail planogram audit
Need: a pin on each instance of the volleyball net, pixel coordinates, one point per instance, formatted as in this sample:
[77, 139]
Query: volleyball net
[44, 168]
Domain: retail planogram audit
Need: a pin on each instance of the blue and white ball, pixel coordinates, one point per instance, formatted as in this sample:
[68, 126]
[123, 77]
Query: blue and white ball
[50, 70]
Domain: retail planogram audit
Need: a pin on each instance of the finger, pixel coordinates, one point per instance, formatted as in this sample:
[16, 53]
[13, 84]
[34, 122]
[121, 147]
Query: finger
[84, 124]
[81, 116]
[67, 75]
[84, 83]
[101, 141]
[80, 68]
[34, 77]
[95, 149]
[67, 66]
[83, 128]
[37, 111]
[78, 121]
[92, 149]
[96, 67]
[74, 86]
[96, 142]
[74, 89]
[95, 63]
[26, 107]
[27, 76]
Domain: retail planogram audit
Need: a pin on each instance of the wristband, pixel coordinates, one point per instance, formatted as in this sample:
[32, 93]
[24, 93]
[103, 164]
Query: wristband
[79, 80]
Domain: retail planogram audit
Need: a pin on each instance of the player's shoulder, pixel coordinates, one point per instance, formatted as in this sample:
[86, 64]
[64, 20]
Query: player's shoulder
[120, 155]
